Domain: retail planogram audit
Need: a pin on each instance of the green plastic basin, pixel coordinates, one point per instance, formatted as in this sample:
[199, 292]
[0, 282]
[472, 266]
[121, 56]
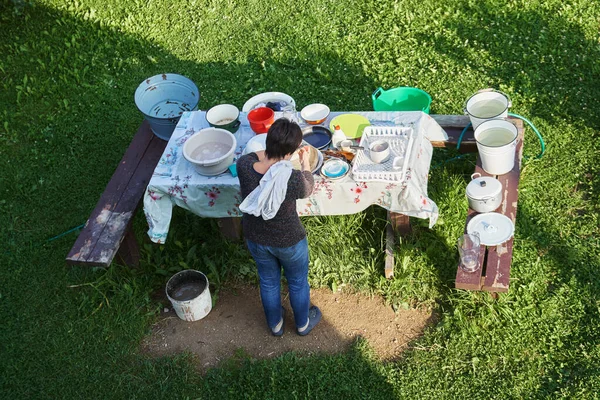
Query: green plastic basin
[401, 99]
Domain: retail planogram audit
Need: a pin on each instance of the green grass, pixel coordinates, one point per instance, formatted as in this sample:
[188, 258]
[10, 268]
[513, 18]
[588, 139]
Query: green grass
[68, 70]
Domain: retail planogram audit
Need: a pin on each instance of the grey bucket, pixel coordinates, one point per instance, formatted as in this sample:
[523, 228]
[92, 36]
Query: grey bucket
[163, 98]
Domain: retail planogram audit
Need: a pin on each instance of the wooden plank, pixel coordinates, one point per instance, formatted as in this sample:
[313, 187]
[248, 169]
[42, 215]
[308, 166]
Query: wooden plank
[118, 219]
[231, 227]
[497, 277]
[389, 251]
[397, 223]
[129, 251]
[400, 223]
[468, 144]
[473, 280]
[453, 125]
[88, 237]
[499, 257]
[495, 274]
[451, 121]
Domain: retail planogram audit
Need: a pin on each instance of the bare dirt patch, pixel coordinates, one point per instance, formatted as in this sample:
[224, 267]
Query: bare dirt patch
[237, 322]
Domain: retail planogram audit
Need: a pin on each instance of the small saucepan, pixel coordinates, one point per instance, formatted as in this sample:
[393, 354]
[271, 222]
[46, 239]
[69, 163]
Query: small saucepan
[484, 193]
[261, 119]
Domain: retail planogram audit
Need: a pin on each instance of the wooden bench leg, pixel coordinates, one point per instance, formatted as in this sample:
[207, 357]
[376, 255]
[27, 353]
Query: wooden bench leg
[389, 251]
[129, 251]
[231, 227]
[398, 223]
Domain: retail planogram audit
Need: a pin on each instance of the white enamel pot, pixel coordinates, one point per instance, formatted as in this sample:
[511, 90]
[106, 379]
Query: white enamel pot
[484, 193]
[217, 164]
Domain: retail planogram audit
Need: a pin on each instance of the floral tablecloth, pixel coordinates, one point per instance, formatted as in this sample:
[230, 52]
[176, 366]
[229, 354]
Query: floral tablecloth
[176, 182]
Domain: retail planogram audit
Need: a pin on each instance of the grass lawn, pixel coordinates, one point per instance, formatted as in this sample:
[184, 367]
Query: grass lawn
[68, 71]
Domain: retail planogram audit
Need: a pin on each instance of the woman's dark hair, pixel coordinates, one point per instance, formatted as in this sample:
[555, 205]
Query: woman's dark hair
[284, 137]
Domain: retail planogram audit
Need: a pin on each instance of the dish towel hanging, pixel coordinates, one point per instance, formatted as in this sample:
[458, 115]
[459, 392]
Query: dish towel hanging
[267, 197]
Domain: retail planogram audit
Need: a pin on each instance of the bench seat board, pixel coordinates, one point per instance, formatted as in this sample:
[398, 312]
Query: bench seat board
[467, 145]
[114, 210]
[118, 220]
[453, 125]
[499, 257]
[496, 260]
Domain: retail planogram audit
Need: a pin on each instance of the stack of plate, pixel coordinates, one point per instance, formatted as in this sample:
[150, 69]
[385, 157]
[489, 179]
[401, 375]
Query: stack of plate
[315, 158]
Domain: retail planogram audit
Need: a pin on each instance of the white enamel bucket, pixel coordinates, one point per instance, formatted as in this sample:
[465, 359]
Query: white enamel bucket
[163, 99]
[189, 294]
[487, 104]
[496, 144]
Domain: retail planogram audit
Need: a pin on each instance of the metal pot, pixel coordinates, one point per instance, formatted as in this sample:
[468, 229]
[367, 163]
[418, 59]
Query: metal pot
[484, 193]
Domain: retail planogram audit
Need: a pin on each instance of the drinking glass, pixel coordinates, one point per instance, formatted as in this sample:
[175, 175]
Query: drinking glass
[469, 248]
[289, 113]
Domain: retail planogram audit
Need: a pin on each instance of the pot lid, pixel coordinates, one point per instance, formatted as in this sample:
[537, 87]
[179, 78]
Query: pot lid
[484, 187]
[493, 228]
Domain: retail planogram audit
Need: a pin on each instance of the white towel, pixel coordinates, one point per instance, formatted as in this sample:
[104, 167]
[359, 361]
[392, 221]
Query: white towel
[267, 197]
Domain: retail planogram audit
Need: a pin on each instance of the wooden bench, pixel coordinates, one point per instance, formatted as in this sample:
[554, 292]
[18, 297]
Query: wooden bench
[108, 232]
[494, 276]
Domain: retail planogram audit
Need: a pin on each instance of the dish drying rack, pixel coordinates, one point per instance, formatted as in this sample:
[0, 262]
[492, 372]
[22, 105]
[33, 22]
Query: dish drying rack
[400, 140]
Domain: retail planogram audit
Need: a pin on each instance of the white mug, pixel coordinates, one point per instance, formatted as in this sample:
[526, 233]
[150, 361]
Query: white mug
[379, 151]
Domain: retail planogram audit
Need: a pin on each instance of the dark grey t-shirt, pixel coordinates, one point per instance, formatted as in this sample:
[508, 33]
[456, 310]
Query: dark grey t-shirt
[285, 229]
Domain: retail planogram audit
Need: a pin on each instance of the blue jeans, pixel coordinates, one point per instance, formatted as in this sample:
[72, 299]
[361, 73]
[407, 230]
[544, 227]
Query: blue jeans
[294, 260]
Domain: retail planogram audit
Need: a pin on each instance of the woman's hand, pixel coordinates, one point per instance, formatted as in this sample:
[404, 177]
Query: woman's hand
[304, 156]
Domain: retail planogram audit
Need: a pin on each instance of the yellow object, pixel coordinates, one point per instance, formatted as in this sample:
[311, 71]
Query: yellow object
[352, 124]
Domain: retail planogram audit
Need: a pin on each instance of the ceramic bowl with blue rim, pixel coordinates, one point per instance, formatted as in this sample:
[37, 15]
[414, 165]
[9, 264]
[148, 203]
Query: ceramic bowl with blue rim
[335, 168]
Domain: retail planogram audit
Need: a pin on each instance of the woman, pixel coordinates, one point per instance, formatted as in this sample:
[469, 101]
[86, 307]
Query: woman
[272, 229]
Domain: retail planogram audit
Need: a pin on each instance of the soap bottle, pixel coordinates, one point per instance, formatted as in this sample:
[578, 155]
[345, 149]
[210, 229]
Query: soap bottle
[338, 136]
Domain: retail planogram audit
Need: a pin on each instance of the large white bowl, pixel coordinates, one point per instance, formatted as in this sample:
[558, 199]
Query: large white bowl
[218, 164]
[315, 114]
[267, 97]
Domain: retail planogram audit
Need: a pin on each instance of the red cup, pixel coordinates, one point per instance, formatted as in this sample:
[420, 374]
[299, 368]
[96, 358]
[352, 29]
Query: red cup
[261, 119]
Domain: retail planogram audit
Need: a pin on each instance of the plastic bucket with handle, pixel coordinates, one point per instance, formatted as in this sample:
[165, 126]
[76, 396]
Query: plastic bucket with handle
[401, 99]
[163, 98]
[487, 104]
[496, 144]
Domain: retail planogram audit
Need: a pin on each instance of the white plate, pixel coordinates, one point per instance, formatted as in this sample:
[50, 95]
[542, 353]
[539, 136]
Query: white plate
[493, 228]
[314, 112]
[265, 98]
[256, 143]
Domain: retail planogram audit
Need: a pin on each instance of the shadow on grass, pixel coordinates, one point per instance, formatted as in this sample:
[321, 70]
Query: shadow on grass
[548, 58]
[71, 128]
[551, 60]
[355, 374]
